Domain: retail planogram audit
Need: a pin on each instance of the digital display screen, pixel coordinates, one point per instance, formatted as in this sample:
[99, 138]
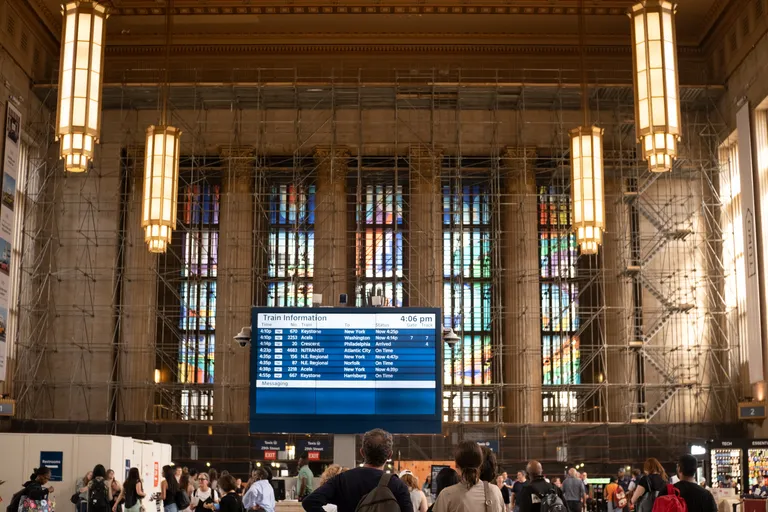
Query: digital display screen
[346, 370]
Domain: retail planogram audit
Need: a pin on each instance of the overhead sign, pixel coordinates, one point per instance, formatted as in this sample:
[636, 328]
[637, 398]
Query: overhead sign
[315, 448]
[7, 407]
[346, 370]
[54, 462]
[491, 445]
[752, 411]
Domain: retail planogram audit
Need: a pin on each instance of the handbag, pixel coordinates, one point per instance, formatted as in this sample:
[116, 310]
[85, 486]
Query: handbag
[75, 499]
[645, 504]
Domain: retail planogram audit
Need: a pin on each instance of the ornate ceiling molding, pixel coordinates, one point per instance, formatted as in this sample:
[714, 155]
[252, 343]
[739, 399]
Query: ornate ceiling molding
[612, 9]
[451, 49]
[51, 21]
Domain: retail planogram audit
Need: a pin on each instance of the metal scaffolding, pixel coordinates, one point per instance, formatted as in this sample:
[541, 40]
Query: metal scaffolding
[650, 317]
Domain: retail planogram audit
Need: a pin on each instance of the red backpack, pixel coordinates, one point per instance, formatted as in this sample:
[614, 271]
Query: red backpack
[672, 502]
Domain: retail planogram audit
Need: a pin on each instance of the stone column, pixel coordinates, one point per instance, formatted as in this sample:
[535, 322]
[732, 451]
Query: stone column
[332, 274]
[619, 369]
[521, 345]
[234, 285]
[138, 312]
[425, 228]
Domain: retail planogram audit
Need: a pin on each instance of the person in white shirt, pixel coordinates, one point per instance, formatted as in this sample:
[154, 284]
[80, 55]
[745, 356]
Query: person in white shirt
[260, 495]
[204, 494]
[418, 498]
[471, 494]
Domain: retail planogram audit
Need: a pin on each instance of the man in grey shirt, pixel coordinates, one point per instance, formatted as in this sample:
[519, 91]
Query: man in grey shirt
[573, 491]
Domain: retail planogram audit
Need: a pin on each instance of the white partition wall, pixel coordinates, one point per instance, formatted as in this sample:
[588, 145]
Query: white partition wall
[21, 454]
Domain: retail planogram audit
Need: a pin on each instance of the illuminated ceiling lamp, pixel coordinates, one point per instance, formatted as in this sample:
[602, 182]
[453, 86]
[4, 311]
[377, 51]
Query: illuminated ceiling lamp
[78, 117]
[587, 187]
[657, 104]
[587, 193]
[161, 169]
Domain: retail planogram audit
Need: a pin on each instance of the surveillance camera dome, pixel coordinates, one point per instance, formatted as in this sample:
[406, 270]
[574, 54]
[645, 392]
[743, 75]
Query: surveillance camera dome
[243, 338]
[450, 337]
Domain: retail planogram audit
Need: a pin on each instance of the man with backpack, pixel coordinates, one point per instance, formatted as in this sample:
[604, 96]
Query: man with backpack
[538, 495]
[695, 498]
[364, 489]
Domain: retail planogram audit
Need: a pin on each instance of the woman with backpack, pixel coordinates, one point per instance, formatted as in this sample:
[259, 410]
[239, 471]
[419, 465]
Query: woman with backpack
[649, 485]
[34, 489]
[99, 491]
[131, 493]
[471, 494]
[169, 488]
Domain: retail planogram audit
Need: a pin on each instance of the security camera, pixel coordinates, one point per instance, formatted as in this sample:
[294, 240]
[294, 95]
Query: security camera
[243, 338]
[450, 338]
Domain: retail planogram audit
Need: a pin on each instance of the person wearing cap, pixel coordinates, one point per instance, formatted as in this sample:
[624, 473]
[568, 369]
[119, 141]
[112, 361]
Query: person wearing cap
[304, 482]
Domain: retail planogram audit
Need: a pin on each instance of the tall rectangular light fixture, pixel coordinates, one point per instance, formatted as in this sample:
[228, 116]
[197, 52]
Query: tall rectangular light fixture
[161, 178]
[657, 98]
[78, 118]
[587, 187]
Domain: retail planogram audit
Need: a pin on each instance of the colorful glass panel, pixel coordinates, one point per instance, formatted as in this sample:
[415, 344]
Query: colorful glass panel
[467, 293]
[561, 357]
[291, 245]
[199, 215]
[379, 244]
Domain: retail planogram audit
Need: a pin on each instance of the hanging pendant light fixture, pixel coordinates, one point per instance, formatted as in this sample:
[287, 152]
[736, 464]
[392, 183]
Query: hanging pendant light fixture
[587, 169]
[78, 116]
[657, 104]
[161, 169]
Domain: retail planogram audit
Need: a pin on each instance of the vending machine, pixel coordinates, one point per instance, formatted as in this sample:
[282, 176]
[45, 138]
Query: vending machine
[726, 460]
[757, 460]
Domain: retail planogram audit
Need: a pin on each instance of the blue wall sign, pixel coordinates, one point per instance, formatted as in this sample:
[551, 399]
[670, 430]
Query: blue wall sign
[55, 462]
[493, 445]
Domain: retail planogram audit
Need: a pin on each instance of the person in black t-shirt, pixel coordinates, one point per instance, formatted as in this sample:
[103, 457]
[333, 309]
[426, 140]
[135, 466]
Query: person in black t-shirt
[653, 481]
[696, 497]
[504, 490]
[347, 489]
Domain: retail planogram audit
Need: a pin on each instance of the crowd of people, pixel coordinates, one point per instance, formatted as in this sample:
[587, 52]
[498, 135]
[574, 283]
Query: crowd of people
[476, 485]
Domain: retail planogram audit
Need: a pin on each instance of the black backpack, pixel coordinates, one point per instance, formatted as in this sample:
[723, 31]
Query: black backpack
[98, 498]
[181, 499]
[380, 499]
[16, 500]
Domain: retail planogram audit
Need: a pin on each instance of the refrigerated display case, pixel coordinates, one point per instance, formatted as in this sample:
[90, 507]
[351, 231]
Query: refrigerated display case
[757, 460]
[726, 461]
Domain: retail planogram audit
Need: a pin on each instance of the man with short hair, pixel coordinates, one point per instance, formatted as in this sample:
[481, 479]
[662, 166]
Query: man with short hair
[517, 488]
[529, 499]
[305, 480]
[623, 479]
[573, 491]
[696, 497]
[348, 488]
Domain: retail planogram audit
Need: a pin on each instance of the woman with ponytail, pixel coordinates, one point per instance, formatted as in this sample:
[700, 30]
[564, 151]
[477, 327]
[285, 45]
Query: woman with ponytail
[471, 494]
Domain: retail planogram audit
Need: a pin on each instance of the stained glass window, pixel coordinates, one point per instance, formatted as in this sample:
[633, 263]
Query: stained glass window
[291, 258]
[559, 305]
[199, 217]
[467, 298]
[380, 244]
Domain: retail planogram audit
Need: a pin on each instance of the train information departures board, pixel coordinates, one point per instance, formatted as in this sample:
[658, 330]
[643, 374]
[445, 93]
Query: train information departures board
[346, 370]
